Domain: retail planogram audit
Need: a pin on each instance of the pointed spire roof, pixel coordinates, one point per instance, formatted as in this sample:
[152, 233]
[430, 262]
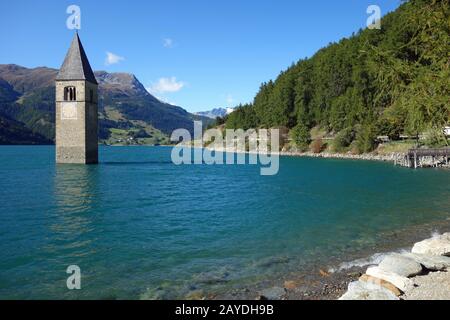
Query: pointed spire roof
[76, 64]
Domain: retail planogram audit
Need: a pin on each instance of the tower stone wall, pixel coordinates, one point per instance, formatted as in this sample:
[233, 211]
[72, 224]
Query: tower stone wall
[77, 123]
[76, 108]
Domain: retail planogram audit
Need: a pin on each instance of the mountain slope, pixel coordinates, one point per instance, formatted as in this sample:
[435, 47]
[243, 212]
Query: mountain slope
[15, 132]
[7, 92]
[127, 95]
[27, 96]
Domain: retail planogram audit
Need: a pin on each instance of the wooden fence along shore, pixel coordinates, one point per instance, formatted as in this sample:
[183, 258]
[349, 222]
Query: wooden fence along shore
[416, 158]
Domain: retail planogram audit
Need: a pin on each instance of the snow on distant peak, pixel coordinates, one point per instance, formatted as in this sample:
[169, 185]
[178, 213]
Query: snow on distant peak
[216, 112]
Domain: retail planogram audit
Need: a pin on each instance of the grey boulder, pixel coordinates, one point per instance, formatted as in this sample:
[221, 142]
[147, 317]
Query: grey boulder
[432, 263]
[436, 246]
[401, 265]
[359, 290]
[402, 283]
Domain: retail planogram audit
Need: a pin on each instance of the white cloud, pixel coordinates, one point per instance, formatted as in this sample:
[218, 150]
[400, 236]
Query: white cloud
[168, 43]
[112, 58]
[165, 85]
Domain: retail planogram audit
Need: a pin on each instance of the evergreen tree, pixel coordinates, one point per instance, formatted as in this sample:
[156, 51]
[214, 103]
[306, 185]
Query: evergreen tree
[396, 79]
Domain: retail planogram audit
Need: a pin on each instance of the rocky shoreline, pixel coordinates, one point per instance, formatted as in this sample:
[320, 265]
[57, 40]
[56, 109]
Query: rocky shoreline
[394, 157]
[421, 274]
[391, 157]
[348, 279]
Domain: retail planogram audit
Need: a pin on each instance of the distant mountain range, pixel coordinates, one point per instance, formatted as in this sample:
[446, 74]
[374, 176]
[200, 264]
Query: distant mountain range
[127, 112]
[214, 113]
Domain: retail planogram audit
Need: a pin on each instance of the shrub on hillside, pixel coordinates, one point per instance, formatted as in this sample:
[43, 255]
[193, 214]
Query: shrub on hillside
[317, 146]
[343, 140]
[365, 139]
[435, 138]
[141, 133]
[301, 136]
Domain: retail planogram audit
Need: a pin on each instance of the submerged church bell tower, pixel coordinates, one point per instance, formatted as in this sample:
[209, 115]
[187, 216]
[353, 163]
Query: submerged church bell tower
[76, 108]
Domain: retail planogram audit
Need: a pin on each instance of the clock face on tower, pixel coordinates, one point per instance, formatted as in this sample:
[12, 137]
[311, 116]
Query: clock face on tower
[69, 111]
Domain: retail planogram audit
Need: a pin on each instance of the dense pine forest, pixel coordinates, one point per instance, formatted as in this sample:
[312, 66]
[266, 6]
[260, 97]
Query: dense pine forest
[392, 82]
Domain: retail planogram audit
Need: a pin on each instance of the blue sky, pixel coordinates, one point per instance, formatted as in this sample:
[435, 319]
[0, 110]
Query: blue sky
[195, 53]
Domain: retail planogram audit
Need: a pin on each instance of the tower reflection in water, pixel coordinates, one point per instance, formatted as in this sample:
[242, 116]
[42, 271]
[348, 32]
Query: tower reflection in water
[74, 229]
[77, 200]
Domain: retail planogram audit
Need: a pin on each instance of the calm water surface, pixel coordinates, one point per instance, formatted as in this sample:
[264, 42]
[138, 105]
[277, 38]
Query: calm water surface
[140, 227]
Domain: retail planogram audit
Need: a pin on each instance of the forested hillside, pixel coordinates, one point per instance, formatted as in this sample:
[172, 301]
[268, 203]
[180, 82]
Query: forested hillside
[390, 82]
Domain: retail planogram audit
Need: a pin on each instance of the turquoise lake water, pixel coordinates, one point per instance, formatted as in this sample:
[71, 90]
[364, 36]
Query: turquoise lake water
[140, 227]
